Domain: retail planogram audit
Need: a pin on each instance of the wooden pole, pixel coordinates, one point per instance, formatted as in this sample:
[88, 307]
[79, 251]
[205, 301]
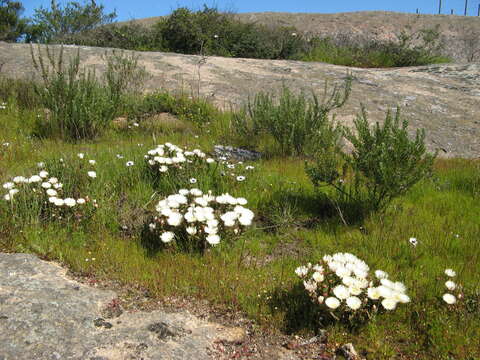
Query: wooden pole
[439, 6]
[466, 4]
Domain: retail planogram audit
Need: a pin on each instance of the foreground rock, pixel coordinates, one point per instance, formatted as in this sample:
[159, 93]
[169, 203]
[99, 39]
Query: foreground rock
[44, 315]
[442, 99]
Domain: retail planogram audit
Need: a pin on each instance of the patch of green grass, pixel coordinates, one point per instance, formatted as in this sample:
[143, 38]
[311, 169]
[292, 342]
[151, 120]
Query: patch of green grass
[294, 224]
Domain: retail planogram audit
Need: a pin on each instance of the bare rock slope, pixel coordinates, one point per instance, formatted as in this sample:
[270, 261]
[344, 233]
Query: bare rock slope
[442, 99]
[45, 315]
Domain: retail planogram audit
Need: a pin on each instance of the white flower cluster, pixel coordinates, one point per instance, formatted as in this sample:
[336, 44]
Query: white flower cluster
[168, 155]
[3, 106]
[41, 184]
[203, 217]
[342, 282]
[449, 298]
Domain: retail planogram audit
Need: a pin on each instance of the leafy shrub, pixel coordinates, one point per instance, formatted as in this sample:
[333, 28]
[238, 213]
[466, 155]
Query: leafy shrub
[383, 164]
[295, 122]
[79, 105]
[342, 286]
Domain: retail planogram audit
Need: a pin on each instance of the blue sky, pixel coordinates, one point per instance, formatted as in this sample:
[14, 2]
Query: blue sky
[128, 9]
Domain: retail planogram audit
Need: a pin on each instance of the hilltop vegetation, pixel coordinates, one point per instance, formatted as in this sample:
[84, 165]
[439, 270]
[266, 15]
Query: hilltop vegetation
[210, 32]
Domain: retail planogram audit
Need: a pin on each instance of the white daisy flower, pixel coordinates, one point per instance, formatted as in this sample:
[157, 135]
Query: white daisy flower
[354, 302]
[332, 302]
[448, 272]
[213, 239]
[373, 293]
[450, 285]
[33, 179]
[381, 274]
[51, 192]
[92, 174]
[70, 202]
[167, 236]
[341, 292]
[191, 230]
[301, 271]
[175, 219]
[449, 299]
[59, 202]
[389, 303]
[8, 185]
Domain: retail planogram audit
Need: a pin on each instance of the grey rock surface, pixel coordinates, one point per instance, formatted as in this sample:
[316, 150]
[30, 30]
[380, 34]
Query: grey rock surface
[230, 152]
[442, 99]
[45, 315]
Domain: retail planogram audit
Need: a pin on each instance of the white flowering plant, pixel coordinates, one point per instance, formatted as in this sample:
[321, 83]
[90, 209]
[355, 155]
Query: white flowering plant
[42, 196]
[195, 220]
[342, 285]
[172, 167]
[453, 290]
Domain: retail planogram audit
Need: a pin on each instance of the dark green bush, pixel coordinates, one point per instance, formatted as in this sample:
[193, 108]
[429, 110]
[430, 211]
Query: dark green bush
[129, 36]
[384, 163]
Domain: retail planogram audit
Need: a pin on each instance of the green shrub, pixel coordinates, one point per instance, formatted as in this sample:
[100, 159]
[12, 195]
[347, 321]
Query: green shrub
[295, 122]
[411, 49]
[130, 36]
[78, 105]
[384, 163]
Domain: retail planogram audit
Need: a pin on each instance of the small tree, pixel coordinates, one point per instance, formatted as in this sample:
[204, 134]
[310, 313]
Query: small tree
[11, 25]
[51, 24]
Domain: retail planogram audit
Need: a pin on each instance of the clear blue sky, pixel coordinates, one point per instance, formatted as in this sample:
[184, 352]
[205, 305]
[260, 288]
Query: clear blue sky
[130, 9]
